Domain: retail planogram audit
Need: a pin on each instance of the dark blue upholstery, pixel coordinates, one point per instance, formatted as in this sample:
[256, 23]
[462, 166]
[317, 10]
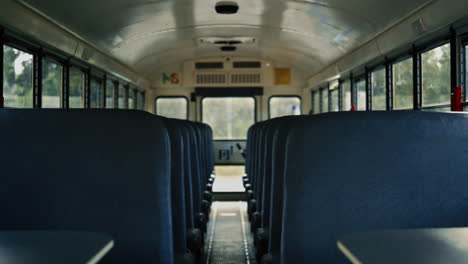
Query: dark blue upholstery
[261, 222]
[272, 129]
[189, 192]
[362, 171]
[195, 168]
[277, 186]
[103, 171]
[254, 157]
[249, 147]
[259, 175]
[200, 217]
[211, 151]
[178, 178]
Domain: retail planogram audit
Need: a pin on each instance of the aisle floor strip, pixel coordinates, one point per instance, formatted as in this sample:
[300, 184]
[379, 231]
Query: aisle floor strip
[229, 239]
[244, 234]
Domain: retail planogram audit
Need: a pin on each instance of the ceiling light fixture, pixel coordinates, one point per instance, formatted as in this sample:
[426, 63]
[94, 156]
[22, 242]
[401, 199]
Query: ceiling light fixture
[226, 7]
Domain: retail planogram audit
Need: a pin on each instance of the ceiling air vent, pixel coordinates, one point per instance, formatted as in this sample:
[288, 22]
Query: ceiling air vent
[247, 64]
[242, 78]
[209, 65]
[210, 78]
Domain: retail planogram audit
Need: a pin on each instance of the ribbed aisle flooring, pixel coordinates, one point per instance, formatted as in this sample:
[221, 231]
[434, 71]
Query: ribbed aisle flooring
[229, 240]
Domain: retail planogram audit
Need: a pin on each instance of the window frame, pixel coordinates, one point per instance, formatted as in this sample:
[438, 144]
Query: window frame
[25, 48]
[360, 78]
[84, 88]
[419, 53]
[370, 92]
[100, 82]
[331, 102]
[169, 97]
[392, 66]
[464, 65]
[325, 90]
[143, 103]
[132, 91]
[313, 94]
[283, 96]
[53, 59]
[342, 82]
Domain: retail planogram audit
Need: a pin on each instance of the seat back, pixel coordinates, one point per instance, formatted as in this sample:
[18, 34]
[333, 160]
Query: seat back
[105, 171]
[178, 190]
[267, 171]
[278, 161]
[362, 171]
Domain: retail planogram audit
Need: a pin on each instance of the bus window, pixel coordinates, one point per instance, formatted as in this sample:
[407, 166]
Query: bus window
[51, 84]
[17, 78]
[229, 117]
[403, 84]
[334, 96]
[110, 94]
[76, 88]
[172, 107]
[284, 106]
[361, 95]
[96, 94]
[316, 98]
[435, 66]
[122, 95]
[324, 95]
[378, 90]
[346, 95]
[131, 98]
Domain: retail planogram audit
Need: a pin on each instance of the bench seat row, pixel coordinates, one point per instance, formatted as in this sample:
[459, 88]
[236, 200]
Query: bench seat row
[312, 179]
[142, 179]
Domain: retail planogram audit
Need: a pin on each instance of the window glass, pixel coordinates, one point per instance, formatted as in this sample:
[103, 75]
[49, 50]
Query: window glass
[324, 94]
[346, 95]
[403, 84]
[378, 90]
[230, 117]
[17, 78]
[96, 94]
[122, 95]
[361, 95]
[76, 99]
[316, 98]
[141, 101]
[51, 84]
[284, 106]
[334, 100]
[110, 93]
[131, 98]
[334, 96]
[175, 107]
[436, 76]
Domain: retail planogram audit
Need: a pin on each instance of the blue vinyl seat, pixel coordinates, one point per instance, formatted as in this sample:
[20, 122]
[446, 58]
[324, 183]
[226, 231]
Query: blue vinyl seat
[363, 171]
[105, 171]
